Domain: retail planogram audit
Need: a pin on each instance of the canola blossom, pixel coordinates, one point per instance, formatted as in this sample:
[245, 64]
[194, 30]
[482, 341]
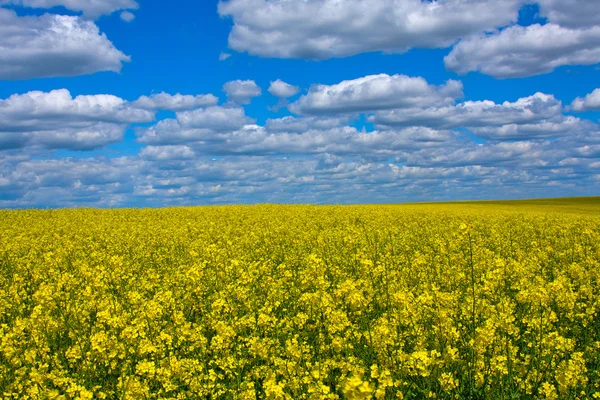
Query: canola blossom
[446, 301]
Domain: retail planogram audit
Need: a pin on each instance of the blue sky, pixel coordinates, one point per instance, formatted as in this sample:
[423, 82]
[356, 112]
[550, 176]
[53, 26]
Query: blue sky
[137, 103]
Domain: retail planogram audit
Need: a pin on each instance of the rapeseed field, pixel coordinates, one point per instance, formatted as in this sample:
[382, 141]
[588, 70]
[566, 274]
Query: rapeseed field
[446, 301]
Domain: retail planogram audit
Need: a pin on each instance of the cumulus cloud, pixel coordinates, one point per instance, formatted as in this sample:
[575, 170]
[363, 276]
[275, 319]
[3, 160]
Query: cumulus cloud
[561, 127]
[570, 13]
[12, 140]
[194, 126]
[50, 110]
[341, 141]
[320, 29]
[282, 90]
[57, 120]
[163, 153]
[528, 110]
[127, 16]
[53, 45]
[299, 125]
[376, 92]
[91, 9]
[502, 154]
[176, 102]
[215, 118]
[590, 102]
[241, 92]
[81, 139]
[519, 51]
[170, 132]
[67, 182]
[165, 132]
[257, 140]
[224, 56]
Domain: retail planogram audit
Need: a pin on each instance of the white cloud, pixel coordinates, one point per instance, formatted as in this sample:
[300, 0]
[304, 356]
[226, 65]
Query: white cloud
[571, 13]
[89, 137]
[489, 41]
[216, 118]
[504, 154]
[564, 126]
[588, 103]
[90, 8]
[170, 132]
[282, 90]
[67, 182]
[57, 120]
[519, 51]
[194, 126]
[528, 110]
[176, 102]
[342, 141]
[127, 16]
[241, 92]
[319, 29]
[299, 125]
[224, 56]
[376, 92]
[251, 139]
[53, 45]
[51, 110]
[163, 153]
[12, 140]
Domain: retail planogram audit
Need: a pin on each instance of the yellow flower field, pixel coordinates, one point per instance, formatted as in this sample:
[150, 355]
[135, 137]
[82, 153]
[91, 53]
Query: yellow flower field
[482, 301]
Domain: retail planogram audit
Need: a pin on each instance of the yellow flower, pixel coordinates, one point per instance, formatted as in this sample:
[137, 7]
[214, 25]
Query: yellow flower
[549, 391]
[448, 382]
[355, 388]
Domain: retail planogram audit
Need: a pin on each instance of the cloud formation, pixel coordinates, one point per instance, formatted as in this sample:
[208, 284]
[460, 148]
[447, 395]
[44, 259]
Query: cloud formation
[426, 145]
[127, 16]
[320, 29]
[50, 110]
[217, 118]
[257, 140]
[172, 176]
[283, 90]
[488, 39]
[527, 110]
[165, 153]
[53, 45]
[57, 120]
[194, 126]
[241, 92]
[553, 128]
[519, 51]
[299, 125]
[376, 92]
[590, 102]
[570, 13]
[91, 9]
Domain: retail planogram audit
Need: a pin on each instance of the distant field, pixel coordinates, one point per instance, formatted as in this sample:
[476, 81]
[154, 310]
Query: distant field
[567, 204]
[470, 300]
